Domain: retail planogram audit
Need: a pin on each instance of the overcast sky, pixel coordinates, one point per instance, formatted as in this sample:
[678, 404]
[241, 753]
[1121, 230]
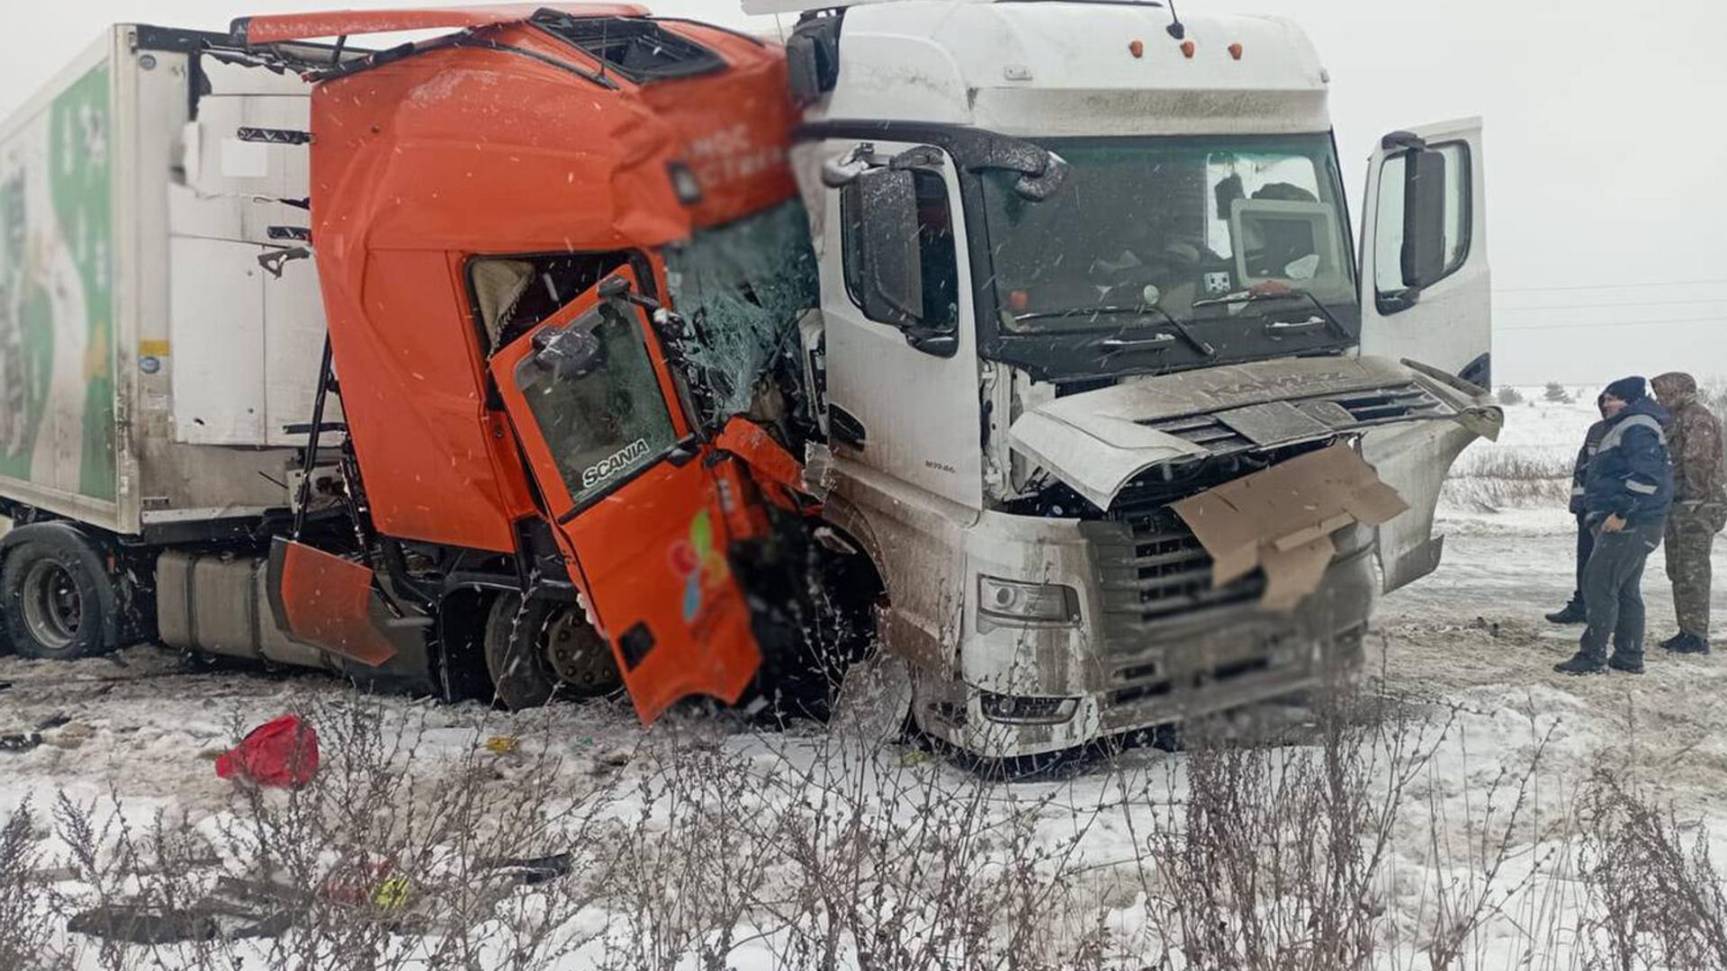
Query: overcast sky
[1606, 150]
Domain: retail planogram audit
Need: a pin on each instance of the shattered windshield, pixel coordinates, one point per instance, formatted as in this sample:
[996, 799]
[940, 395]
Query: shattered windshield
[743, 287]
[1166, 223]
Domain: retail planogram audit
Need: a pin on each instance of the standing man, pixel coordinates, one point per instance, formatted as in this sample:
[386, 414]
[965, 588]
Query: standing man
[1627, 490]
[1699, 506]
[1573, 612]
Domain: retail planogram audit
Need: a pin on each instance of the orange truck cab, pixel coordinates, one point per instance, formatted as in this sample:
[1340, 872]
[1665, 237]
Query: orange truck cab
[558, 250]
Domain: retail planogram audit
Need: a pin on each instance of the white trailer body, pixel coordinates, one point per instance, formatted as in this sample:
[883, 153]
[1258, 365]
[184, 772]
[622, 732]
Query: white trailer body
[149, 365]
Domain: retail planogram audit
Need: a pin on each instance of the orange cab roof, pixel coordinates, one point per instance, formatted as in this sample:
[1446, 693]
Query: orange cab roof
[276, 28]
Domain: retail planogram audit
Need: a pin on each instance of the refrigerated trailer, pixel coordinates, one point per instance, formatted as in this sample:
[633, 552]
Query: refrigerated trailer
[149, 374]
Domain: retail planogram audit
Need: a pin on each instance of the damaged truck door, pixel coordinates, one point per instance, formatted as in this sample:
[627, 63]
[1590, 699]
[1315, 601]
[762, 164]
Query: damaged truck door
[644, 525]
[1426, 300]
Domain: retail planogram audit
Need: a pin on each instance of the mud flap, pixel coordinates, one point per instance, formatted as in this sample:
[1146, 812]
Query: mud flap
[332, 604]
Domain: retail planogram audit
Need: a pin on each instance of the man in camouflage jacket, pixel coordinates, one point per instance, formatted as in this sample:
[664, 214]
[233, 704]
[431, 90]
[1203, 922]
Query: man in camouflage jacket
[1699, 506]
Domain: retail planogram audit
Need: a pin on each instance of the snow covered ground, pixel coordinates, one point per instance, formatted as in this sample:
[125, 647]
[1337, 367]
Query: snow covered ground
[707, 838]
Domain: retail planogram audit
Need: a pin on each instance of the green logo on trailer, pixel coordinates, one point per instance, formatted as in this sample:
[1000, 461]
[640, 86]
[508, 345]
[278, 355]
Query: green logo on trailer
[56, 295]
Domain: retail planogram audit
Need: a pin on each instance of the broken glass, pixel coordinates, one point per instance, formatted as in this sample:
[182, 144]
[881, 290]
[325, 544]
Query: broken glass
[742, 287]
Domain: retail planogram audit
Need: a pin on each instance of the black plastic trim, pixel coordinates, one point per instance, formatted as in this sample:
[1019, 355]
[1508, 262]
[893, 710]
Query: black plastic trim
[844, 427]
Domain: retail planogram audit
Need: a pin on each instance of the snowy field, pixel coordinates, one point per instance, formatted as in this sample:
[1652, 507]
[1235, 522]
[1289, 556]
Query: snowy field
[1469, 809]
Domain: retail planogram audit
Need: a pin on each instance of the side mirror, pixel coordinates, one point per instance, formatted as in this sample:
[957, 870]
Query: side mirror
[1423, 218]
[569, 354]
[887, 240]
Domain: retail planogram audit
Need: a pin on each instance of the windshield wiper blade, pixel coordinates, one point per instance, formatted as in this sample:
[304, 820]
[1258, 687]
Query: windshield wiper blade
[1193, 340]
[1292, 292]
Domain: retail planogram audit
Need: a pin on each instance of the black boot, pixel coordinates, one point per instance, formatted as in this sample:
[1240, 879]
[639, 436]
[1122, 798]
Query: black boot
[1626, 663]
[1581, 663]
[1571, 613]
[1686, 644]
[1668, 644]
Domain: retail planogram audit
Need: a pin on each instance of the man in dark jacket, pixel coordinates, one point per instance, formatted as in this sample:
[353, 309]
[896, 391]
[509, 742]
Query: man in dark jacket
[1627, 490]
[1573, 612]
[1699, 506]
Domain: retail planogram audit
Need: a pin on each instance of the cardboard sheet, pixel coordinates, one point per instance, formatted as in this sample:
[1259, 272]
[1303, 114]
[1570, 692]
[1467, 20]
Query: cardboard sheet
[1282, 519]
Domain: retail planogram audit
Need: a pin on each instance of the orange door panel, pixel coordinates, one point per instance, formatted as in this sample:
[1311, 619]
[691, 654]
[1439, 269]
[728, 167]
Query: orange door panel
[635, 501]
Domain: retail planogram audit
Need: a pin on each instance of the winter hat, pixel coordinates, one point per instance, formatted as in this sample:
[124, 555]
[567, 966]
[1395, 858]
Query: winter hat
[1629, 390]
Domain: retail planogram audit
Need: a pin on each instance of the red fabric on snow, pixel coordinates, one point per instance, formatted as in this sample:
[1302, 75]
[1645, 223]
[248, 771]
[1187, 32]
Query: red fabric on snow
[281, 753]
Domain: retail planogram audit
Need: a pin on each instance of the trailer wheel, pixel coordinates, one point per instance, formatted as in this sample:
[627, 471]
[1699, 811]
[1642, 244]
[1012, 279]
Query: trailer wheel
[56, 599]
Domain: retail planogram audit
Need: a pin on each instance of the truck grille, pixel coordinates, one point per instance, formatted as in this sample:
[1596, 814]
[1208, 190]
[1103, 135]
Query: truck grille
[1388, 404]
[1203, 430]
[1338, 411]
[1158, 570]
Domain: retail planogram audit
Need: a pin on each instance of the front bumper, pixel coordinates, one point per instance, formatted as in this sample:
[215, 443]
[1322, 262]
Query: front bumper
[1146, 652]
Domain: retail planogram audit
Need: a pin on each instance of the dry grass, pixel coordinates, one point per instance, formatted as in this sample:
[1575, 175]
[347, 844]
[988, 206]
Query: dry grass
[1495, 478]
[1659, 898]
[1319, 844]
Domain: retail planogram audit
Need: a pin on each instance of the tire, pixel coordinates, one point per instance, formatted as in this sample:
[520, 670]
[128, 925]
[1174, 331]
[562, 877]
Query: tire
[57, 601]
[522, 675]
[520, 643]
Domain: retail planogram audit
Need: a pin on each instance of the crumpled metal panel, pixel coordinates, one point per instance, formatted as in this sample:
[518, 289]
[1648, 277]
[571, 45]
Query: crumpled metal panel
[1098, 441]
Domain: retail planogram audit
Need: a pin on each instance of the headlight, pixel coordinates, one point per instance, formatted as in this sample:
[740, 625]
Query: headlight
[1011, 602]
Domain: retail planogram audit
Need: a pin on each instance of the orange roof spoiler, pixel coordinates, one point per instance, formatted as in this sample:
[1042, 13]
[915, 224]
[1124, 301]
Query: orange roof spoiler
[271, 29]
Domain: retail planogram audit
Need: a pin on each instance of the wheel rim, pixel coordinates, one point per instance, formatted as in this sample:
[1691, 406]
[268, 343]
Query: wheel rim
[581, 658]
[53, 609]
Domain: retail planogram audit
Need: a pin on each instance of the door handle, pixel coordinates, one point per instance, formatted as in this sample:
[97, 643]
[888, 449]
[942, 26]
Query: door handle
[1279, 327]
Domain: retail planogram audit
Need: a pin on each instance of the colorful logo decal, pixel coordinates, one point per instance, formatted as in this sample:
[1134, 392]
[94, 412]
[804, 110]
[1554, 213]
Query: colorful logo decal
[56, 305]
[698, 562]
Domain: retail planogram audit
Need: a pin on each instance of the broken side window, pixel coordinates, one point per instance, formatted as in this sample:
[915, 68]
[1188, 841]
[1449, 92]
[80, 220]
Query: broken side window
[743, 286]
[511, 294]
[641, 50]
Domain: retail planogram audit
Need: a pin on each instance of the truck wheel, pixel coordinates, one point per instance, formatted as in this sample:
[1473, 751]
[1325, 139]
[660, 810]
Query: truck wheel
[580, 657]
[521, 673]
[541, 648]
[56, 600]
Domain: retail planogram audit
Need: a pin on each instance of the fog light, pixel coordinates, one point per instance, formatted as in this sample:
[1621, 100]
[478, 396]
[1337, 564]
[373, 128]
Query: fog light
[1011, 602]
[1022, 710]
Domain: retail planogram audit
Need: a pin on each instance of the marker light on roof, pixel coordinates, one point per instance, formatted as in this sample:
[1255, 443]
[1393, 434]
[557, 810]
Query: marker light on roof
[1187, 48]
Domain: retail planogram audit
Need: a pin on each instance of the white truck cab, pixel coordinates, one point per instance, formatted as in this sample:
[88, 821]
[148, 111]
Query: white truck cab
[1081, 261]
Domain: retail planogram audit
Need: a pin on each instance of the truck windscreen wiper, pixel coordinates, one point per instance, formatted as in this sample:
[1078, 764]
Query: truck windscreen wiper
[1117, 344]
[1282, 328]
